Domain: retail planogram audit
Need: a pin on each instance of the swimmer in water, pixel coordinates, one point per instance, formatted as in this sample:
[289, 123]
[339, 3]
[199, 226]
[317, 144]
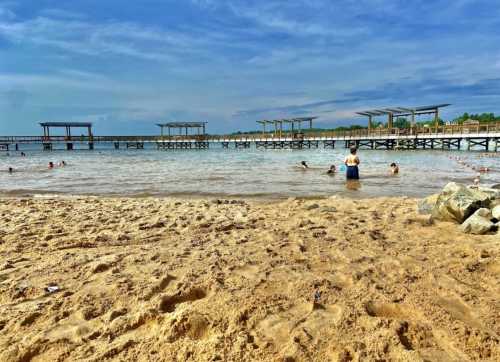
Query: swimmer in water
[62, 164]
[332, 170]
[352, 163]
[303, 164]
[11, 170]
[51, 165]
[394, 168]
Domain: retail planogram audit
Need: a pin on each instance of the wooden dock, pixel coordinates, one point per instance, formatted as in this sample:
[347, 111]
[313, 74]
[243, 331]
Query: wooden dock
[485, 137]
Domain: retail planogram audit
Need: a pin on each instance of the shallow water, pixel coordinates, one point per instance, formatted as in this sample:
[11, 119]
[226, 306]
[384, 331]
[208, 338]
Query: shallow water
[247, 172]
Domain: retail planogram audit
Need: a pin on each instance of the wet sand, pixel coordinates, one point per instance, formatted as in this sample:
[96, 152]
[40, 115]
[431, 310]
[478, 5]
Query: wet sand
[156, 279]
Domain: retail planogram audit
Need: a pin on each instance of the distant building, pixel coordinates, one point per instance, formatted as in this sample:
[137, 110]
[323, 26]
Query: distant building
[471, 122]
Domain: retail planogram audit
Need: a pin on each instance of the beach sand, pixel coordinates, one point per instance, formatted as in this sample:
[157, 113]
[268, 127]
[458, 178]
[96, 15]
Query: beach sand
[159, 279]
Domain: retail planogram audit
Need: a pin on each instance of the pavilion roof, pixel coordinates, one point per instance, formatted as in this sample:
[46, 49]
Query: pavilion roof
[287, 120]
[400, 111]
[65, 124]
[182, 124]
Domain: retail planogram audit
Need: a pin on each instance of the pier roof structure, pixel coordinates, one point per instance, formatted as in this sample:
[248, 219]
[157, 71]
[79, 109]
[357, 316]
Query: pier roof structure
[199, 126]
[67, 125]
[278, 123]
[403, 112]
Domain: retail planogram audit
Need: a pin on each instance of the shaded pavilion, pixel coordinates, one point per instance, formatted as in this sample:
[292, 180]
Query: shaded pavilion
[403, 112]
[295, 124]
[183, 128]
[67, 126]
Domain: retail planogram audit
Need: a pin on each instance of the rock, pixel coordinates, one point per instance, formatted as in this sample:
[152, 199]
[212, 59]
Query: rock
[457, 203]
[452, 187]
[426, 205]
[329, 209]
[493, 193]
[479, 223]
[312, 207]
[495, 212]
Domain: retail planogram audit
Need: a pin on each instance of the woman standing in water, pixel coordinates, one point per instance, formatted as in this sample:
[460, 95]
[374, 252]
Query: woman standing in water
[352, 162]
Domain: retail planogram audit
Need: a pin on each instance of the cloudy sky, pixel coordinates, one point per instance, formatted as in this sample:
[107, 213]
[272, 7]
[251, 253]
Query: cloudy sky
[125, 65]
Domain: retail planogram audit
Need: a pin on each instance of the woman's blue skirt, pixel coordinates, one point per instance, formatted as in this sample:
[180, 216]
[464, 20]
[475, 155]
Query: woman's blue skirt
[352, 172]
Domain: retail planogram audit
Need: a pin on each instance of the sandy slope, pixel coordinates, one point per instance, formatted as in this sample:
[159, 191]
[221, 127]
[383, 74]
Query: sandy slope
[197, 280]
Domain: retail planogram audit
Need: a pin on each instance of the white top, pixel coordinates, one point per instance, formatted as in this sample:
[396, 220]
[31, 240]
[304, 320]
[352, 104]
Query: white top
[352, 160]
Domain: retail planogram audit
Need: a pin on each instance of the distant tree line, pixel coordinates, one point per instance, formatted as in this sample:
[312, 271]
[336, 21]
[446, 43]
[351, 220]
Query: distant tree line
[482, 118]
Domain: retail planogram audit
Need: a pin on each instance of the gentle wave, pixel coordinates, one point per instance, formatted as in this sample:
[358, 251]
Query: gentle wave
[236, 173]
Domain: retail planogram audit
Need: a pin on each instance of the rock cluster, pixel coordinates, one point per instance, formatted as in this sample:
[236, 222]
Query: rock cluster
[477, 209]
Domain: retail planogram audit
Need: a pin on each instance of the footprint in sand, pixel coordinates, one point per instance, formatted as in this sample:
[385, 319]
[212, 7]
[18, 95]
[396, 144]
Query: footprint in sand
[168, 304]
[279, 329]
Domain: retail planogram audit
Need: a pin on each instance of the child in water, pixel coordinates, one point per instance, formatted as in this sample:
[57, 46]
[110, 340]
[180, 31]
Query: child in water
[352, 162]
[303, 164]
[394, 168]
[332, 170]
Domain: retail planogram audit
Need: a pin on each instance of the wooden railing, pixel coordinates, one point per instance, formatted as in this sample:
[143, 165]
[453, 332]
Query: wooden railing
[465, 130]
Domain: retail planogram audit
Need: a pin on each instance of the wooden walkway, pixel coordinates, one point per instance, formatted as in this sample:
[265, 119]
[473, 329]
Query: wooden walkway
[480, 137]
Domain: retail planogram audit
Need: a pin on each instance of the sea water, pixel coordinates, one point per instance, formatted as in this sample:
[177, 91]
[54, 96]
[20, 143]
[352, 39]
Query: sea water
[237, 172]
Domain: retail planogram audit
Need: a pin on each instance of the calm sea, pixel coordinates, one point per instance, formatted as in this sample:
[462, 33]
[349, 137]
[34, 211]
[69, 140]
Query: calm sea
[246, 172]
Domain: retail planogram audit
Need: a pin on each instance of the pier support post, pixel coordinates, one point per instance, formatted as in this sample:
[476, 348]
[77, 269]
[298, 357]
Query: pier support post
[91, 145]
[47, 146]
[17, 147]
[69, 146]
[117, 145]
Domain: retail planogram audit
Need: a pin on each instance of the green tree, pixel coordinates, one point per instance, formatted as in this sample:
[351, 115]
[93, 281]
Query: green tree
[401, 122]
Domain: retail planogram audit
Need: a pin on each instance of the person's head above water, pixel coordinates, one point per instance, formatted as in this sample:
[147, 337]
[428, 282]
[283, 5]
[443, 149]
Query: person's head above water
[353, 150]
[332, 167]
[304, 164]
[393, 165]
[11, 170]
[51, 164]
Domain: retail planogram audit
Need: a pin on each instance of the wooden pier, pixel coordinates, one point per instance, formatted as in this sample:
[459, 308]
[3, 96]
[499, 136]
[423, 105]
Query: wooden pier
[484, 137]
[180, 136]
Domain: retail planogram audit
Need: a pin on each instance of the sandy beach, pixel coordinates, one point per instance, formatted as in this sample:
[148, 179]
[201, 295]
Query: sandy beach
[161, 279]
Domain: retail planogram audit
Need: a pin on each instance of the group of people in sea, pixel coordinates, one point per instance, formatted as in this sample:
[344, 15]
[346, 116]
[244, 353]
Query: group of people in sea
[479, 169]
[51, 165]
[351, 164]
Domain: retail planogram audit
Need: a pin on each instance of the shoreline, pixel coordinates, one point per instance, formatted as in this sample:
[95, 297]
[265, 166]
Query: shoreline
[211, 279]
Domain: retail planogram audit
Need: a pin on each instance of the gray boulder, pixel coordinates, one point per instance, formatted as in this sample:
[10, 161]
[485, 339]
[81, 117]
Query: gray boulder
[452, 187]
[491, 192]
[457, 202]
[495, 212]
[479, 223]
[426, 205]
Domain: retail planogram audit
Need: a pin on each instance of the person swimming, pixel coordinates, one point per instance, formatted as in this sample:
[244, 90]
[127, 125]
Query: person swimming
[62, 163]
[332, 170]
[11, 170]
[394, 168]
[352, 163]
[51, 165]
[304, 165]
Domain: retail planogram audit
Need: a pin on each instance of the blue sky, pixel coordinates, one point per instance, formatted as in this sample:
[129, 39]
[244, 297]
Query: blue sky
[125, 65]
